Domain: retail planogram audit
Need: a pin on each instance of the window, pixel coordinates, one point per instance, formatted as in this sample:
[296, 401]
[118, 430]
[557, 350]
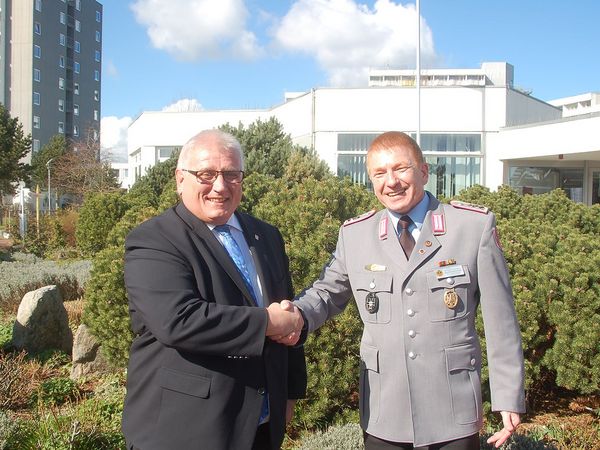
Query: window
[62, 39]
[534, 179]
[38, 5]
[76, 130]
[97, 55]
[36, 145]
[77, 47]
[61, 83]
[77, 25]
[61, 105]
[37, 27]
[37, 75]
[78, 5]
[36, 121]
[76, 67]
[63, 18]
[36, 98]
[96, 114]
[76, 109]
[98, 16]
[37, 51]
[98, 35]
[97, 95]
[97, 75]
[61, 61]
[76, 88]
[61, 127]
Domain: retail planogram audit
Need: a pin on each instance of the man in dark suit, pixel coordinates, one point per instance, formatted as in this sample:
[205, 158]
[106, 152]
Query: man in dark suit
[203, 281]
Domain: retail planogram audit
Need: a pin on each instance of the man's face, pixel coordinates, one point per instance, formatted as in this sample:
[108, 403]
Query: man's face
[398, 179]
[212, 203]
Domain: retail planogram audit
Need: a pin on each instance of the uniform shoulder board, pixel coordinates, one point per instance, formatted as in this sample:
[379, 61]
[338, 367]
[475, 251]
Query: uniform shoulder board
[360, 218]
[469, 206]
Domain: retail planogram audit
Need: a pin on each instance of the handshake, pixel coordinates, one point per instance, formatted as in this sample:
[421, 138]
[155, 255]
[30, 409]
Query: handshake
[284, 322]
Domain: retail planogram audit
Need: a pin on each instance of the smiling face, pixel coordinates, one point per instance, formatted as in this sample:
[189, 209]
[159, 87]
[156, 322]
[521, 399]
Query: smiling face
[212, 203]
[397, 171]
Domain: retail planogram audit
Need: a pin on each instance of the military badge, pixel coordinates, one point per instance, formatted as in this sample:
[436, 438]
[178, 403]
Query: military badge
[372, 303]
[451, 298]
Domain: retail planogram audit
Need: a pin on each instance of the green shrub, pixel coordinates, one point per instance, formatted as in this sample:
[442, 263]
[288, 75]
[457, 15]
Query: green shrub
[56, 391]
[7, 427]
[344, 437]
[97, 217]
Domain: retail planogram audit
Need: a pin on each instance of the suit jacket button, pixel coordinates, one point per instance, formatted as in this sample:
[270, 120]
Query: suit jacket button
[473, 361]
[261, 391]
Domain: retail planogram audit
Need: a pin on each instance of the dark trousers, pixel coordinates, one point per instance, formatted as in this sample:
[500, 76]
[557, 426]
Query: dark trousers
[262, 440]
[467, 443]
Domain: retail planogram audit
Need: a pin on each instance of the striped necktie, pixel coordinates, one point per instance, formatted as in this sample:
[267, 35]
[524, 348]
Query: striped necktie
[406, 239]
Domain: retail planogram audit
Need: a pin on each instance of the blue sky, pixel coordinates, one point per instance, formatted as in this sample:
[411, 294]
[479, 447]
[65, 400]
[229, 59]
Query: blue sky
[235, 54]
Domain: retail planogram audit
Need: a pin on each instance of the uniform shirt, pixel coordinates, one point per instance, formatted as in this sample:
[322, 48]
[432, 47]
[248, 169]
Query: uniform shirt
[238, 235]
[417, 215]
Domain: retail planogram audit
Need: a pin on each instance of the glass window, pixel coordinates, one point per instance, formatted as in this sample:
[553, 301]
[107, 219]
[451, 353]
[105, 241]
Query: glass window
[76, 109]
[353, 166]
[97, 55]
[77, 47]
[36, 121]
[541, 179]
[354, 142]
[36, 145]
[98, 16]
[78, 5]
[97, 95]
[76, 67]
[61, 104]
[36, 98]
[63, 18]
[76, 130]
[61, 127]
[61, 83]
[37, 51]
[450, 142]
[98, 36]
[38, 5]
[77, 25]
[62, 39]
[37, 27]
[450, 175]
[96, 114]
[37, 75]
[61, 61]
[97, 75]
[76, 88]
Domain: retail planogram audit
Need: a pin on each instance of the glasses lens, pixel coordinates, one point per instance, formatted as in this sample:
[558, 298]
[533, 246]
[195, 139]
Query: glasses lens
[207, 176]
[233, 176]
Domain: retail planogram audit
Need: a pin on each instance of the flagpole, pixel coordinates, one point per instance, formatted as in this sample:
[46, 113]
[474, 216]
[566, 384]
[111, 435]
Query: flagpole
[418, 72]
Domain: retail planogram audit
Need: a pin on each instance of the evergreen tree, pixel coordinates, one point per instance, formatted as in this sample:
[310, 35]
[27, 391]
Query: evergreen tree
[14, 146]
[54, 149]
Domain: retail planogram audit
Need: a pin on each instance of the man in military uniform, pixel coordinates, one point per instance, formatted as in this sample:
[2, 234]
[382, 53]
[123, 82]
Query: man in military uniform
[418, 270]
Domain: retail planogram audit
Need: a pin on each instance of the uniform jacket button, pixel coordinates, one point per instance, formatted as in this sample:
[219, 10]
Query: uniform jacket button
[412, 333]
[410, 312]
[412, 355]
[408, 291]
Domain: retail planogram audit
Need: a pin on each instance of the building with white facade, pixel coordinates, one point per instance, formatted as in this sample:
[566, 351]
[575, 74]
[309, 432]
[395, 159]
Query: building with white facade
[475, 128]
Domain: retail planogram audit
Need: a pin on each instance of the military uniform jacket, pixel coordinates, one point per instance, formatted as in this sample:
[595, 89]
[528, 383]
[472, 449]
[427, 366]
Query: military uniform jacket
[421, 359]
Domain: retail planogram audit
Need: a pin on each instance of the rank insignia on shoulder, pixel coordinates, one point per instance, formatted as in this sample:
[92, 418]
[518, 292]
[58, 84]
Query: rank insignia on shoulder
[360, 218]
[469, 206]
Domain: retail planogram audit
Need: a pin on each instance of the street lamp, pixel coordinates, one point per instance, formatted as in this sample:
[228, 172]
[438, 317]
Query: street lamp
[49, 195]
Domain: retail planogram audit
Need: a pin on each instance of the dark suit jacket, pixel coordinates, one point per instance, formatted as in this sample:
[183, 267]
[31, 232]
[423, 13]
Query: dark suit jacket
[200, 359]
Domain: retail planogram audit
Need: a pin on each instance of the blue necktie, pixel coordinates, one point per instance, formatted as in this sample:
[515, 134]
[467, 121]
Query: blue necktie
[235, 252]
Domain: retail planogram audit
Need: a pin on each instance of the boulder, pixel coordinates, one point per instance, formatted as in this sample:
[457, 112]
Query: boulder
[42, 322]
[87, 357]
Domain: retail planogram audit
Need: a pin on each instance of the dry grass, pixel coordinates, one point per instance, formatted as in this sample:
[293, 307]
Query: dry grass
[75, 312]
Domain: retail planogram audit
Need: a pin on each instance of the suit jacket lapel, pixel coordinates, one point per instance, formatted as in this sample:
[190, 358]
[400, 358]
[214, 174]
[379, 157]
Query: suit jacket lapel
[216, 249]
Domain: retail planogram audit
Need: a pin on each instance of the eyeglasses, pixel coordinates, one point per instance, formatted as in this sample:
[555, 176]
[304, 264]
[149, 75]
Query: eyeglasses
[399, 172]
[209, 176]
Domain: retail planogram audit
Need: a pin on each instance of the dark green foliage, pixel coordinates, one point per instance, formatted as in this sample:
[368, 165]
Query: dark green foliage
[553, 253]
[98, 216]
[148, 190]
[56, 391]
[55, 148]
[14, 146]
[107, 312]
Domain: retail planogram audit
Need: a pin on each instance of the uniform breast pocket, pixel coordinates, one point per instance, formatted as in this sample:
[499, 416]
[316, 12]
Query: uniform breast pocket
[448, 296]
[373, 295]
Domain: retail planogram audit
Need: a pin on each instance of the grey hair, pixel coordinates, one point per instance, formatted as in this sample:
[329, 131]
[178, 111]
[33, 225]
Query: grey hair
[225, 140]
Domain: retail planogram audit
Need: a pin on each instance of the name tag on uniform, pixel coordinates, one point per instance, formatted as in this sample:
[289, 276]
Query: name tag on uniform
[449, 271]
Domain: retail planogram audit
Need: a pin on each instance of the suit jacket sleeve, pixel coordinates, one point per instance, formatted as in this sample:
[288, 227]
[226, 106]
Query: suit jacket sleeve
[502, 332]
[169, 297]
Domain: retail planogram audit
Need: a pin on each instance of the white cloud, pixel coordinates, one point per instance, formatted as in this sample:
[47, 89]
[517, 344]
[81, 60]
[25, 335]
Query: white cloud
[184, 105]
[198, 29]
[110, 69]
[347, 38]
[113, 137]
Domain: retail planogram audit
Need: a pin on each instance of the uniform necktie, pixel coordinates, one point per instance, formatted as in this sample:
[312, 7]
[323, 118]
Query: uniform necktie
[406, 239]
[235, 253]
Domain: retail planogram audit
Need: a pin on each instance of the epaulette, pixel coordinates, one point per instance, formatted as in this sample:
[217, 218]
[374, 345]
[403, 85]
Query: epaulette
[360, 218]
[469, 206]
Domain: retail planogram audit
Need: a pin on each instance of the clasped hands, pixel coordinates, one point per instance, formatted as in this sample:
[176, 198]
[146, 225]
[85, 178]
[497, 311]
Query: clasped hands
[284, 322]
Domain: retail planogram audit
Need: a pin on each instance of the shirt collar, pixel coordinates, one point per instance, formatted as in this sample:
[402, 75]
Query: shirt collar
[233, 222]
[417, 214]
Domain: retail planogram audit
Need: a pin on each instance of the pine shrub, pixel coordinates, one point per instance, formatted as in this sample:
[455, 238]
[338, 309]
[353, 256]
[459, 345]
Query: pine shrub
[336, 437]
